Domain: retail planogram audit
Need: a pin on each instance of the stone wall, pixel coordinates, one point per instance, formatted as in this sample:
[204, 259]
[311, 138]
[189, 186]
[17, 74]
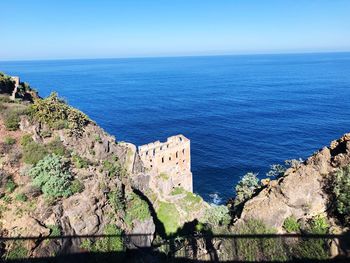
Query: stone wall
[170, 159]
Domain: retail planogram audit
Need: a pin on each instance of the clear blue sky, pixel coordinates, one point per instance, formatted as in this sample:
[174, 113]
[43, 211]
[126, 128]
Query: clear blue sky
[33, 29]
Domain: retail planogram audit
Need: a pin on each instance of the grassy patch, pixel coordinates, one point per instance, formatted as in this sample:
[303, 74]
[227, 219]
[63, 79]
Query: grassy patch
[17, 251]
[79, 162]
[33, 152]
[258, 249]
[106, 244]
[55, 230]
[76, 186]
[116, 199]
[9, 140]
[136, 209]
[21, 197]
[291, 225]
[169, 216]
[10, 186]
[164, 176]
[178, 191]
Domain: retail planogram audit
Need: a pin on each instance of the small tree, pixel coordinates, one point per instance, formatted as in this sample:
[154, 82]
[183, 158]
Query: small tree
[246, 187]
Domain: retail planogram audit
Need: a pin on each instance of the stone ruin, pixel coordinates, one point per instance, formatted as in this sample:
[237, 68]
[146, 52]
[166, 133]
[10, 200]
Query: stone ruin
[16, 81]
[170, 160]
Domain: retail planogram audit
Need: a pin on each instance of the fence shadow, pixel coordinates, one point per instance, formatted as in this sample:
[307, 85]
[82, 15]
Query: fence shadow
[186, 248]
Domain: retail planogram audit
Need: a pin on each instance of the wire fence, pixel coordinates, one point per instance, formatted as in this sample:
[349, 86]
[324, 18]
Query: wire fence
[191, 248]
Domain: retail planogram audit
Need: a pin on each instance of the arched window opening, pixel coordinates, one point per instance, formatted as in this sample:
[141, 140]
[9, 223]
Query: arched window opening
[162, 159]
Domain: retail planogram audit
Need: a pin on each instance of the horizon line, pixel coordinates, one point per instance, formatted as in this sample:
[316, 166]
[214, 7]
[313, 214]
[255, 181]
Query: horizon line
[180, 56]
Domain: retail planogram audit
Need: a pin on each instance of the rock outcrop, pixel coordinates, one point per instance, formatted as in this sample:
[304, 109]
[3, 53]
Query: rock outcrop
[301, 191]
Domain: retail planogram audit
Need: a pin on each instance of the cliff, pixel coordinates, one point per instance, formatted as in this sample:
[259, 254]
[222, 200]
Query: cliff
[61, 174]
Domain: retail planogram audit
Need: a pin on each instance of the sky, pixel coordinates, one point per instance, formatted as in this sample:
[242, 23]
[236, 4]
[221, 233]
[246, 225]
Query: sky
[64, 29]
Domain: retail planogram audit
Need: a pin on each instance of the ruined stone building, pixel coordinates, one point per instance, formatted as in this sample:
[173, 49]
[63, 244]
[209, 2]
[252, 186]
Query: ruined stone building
[170, 160]
[16, 82]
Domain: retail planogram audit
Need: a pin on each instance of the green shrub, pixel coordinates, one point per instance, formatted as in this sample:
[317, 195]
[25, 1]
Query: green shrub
[10, 186]
[319, 225]
[341, 191]
[318, 248]
[7, 199]
[291, 225]
[79, 162]
[21, 197]
[178, 191]
[56, 113]
[76, 186]
[246, 187]
[169, 216]
[106, 244]
[98, 138]
[276, 170]
[217, 215]
[136, 209]
[116, 199]
[52, 177]
[55, 230]
[26, 139]
[113, 168]
[9, 140]
[56, 147]
[33, 152]
[17, 251]
[260, 248]
[12, 122]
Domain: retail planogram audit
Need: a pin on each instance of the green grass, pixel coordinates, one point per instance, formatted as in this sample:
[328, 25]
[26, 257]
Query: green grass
[21, 197]
[12, 122]
[10, 186]
[178, 191]
[169, 216]
[106, 244]
[33, 152]
[26, 139]
[17, 251]
[258, 249]
[79, 162]
[291, 225]
[164, 176]
[136, 209]
[9, 140]
[55, 230]
[76, 186]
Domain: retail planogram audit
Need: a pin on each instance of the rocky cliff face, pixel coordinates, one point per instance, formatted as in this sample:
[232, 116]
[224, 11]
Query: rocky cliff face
[302, 191]
[112, 185]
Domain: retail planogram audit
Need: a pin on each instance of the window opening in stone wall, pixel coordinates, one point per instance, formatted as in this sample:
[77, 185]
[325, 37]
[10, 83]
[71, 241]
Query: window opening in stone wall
[162, 159]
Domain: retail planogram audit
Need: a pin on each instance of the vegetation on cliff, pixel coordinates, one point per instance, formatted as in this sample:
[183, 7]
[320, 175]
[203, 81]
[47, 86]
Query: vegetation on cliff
[55, 112]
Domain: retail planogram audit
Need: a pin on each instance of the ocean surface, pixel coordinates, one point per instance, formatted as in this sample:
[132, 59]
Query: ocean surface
[242, 113]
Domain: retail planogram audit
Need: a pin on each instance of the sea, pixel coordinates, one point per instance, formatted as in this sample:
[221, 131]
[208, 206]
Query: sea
[242, 113]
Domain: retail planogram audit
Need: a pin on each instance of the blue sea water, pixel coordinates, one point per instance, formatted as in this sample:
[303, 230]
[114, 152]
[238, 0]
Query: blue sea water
[242, 113]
